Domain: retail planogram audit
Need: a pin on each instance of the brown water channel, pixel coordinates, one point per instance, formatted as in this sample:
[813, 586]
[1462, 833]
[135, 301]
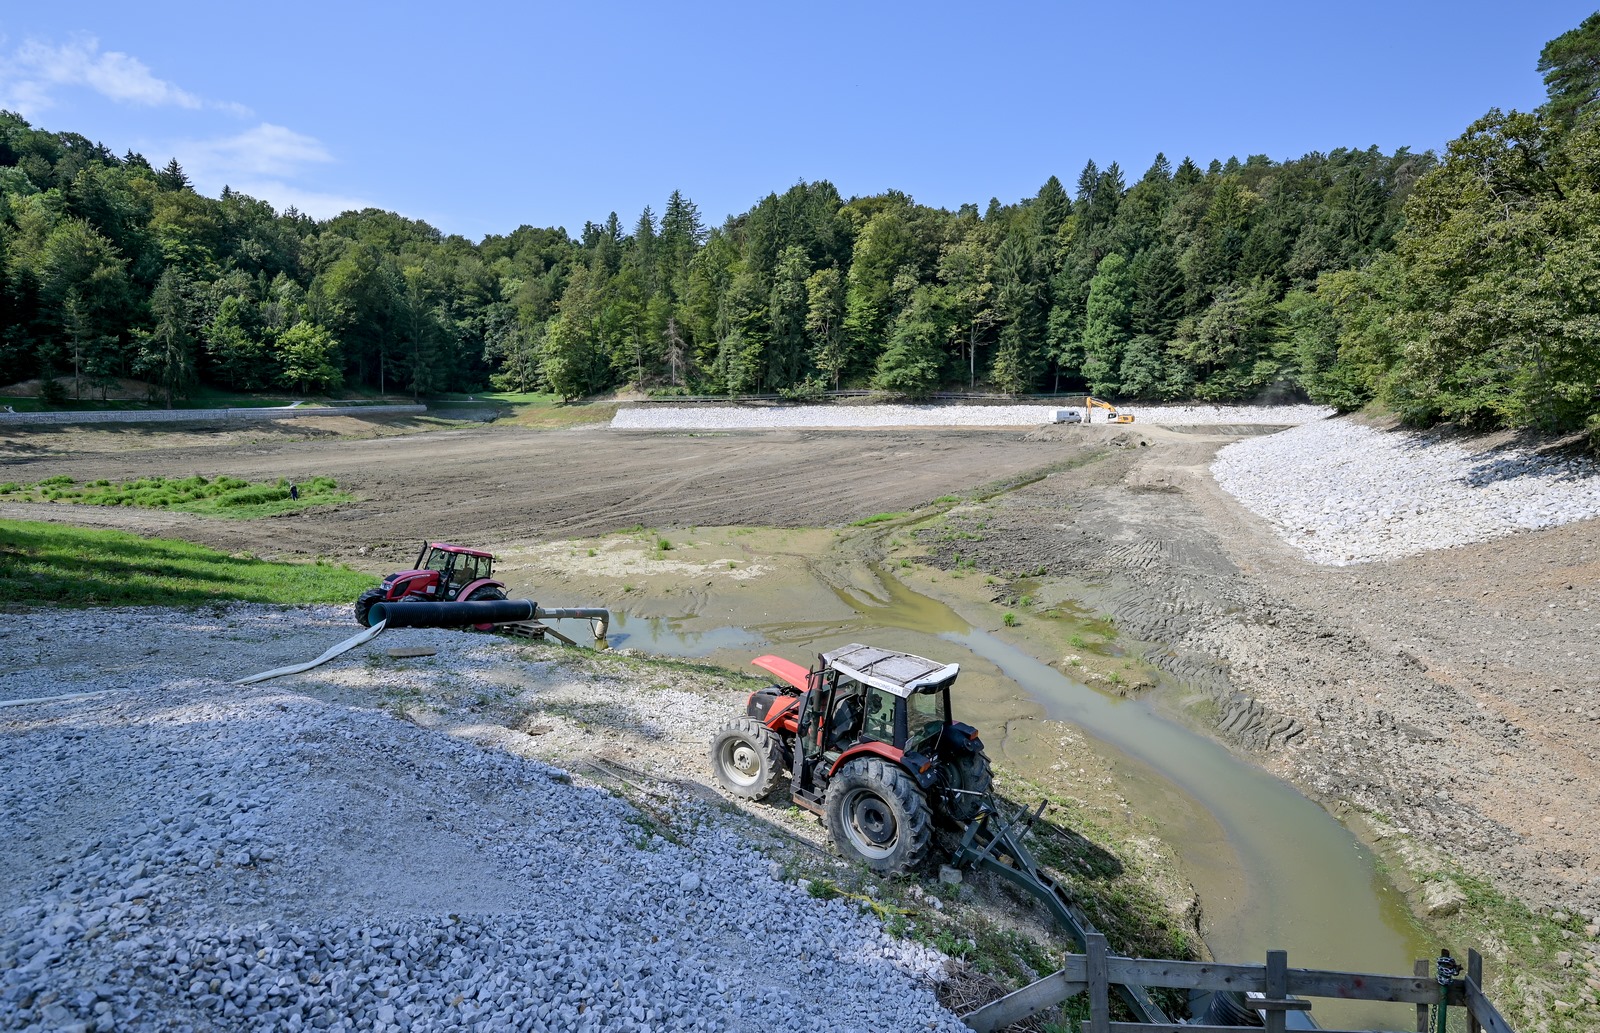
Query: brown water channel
[1272, 869]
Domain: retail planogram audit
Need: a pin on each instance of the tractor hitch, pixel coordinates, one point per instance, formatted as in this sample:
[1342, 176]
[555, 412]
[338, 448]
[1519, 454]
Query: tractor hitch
[1002, 851]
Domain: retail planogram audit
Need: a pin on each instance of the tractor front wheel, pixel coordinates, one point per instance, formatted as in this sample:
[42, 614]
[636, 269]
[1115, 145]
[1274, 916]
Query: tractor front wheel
[877, 814]
[747, 758]
[364, 603]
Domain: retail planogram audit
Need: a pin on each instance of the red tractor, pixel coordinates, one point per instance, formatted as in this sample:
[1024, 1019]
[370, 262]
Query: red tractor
[443, 574]
[870, 746]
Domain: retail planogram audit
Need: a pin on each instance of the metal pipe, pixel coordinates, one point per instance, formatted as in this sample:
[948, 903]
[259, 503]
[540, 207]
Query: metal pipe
[598, 616]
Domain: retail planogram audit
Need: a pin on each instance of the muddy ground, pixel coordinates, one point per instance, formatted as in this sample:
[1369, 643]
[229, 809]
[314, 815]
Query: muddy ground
[1444, 705]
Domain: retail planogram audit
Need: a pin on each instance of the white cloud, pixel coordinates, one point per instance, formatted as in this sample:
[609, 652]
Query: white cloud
[31, 74]
[266, 150]
[265, 162]
[314, 203]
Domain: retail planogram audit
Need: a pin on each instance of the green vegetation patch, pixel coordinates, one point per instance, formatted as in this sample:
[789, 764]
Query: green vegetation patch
[217, 496]
[876, 518]
[67, 566]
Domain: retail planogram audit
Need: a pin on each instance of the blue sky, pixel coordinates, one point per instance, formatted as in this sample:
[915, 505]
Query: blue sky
[480, 117]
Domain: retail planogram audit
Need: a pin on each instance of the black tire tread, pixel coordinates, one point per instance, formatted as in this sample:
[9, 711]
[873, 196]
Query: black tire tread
[765, 740]
[890, 780]
[973, 773]
[364, 604]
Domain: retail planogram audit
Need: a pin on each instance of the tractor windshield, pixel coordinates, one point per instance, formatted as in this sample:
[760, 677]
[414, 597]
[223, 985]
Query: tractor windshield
[925, 714]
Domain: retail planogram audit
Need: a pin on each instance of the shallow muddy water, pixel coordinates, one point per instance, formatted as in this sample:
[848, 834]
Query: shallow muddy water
[1272, 869]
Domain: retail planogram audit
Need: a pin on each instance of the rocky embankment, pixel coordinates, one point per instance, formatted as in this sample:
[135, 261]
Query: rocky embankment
[1344, 493]
[790, 417]
[177, 852]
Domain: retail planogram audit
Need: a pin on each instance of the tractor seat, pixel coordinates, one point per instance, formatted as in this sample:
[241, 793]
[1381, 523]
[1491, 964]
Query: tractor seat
[846, 719]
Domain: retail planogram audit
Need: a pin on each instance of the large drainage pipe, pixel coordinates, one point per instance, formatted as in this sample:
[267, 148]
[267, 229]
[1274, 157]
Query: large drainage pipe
[483, 611]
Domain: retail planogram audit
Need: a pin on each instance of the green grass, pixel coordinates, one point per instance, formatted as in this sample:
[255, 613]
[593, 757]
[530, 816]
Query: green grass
[217, 496]
[876, 518]
[69, 566]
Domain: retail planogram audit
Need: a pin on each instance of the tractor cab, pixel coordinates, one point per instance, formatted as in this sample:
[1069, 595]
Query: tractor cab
[455, 566]
[862, 700]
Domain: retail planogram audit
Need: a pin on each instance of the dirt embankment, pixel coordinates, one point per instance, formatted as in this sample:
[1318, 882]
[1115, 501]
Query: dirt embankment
[1448, 696]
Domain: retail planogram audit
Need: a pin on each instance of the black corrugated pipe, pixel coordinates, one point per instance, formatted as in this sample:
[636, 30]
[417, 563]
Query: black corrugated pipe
[452, 615]
[1229, 1008]
[484, 611]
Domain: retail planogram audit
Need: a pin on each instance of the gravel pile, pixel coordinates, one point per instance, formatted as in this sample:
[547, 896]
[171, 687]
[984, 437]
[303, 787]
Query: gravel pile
[847, 417]
[179, 853]
[1345, 493]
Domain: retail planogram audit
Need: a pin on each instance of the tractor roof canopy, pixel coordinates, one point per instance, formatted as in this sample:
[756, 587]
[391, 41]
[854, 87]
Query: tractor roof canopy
[898, 673]
[461, 549]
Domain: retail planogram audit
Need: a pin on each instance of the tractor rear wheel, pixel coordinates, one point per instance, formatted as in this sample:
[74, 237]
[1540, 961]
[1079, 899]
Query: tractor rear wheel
[485, 594]
[972, 774]
[365, 602]
[877, 814]
[747, 757]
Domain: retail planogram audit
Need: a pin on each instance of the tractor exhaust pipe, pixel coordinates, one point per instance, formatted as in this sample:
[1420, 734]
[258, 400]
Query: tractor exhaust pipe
[485, 611]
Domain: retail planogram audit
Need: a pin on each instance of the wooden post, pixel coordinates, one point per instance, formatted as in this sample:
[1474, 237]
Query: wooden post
[1098, 978]
[1422, 967]
[1277, 988]
[1475, 974]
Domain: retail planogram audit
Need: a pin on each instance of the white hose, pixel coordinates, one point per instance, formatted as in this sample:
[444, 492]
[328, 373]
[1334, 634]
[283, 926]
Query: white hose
[49, 699]
[343, 647]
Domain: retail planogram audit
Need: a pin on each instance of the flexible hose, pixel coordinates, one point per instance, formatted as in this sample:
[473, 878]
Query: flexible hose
[343, 647]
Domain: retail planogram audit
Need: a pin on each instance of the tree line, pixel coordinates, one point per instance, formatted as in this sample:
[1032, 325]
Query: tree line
[1453, 288]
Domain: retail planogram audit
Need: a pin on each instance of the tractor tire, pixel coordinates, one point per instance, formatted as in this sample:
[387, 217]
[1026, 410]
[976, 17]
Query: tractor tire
[747, 757]
[878, 815]
[973, 774]
[482, 595]
[364, 604]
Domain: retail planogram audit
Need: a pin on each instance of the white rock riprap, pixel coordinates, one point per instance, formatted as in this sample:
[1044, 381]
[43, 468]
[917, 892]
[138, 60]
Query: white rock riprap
[855, 417]
[1346, 493]
[183, 854]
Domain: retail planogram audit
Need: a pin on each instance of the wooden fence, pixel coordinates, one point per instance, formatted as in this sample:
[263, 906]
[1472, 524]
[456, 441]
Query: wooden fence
[1279, 986]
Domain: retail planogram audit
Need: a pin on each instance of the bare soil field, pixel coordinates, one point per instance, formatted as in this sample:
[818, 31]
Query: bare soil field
[499, 486]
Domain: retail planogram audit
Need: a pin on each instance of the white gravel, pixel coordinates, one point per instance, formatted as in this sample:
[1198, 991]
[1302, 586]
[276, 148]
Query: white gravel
[850, 417]
[183, 854]
[1346, 493]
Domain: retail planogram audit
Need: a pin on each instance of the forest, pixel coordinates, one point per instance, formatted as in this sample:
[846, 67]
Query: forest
[1463, 287]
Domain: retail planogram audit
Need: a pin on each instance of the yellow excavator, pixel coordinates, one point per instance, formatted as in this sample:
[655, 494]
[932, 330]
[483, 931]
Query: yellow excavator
[1112, 416]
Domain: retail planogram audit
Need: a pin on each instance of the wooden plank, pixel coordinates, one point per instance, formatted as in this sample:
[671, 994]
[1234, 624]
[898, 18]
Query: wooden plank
[1030, 1000]
[1277, 988]
[403, 652]
[1421, 968]
[1475, 975]
[1479, 1007]
[1178, 1027]
[1095, 951]
[1306, 982]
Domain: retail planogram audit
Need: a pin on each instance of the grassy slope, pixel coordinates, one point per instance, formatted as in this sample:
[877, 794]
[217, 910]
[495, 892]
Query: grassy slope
[66, 566]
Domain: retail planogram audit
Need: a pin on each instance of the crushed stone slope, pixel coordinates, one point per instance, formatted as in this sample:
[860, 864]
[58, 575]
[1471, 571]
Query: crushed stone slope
[181, 853]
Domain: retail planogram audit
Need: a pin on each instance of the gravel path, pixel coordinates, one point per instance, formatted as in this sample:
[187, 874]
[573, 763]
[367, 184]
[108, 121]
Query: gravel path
[1346, 493]
[841, 417]
[180, 853]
